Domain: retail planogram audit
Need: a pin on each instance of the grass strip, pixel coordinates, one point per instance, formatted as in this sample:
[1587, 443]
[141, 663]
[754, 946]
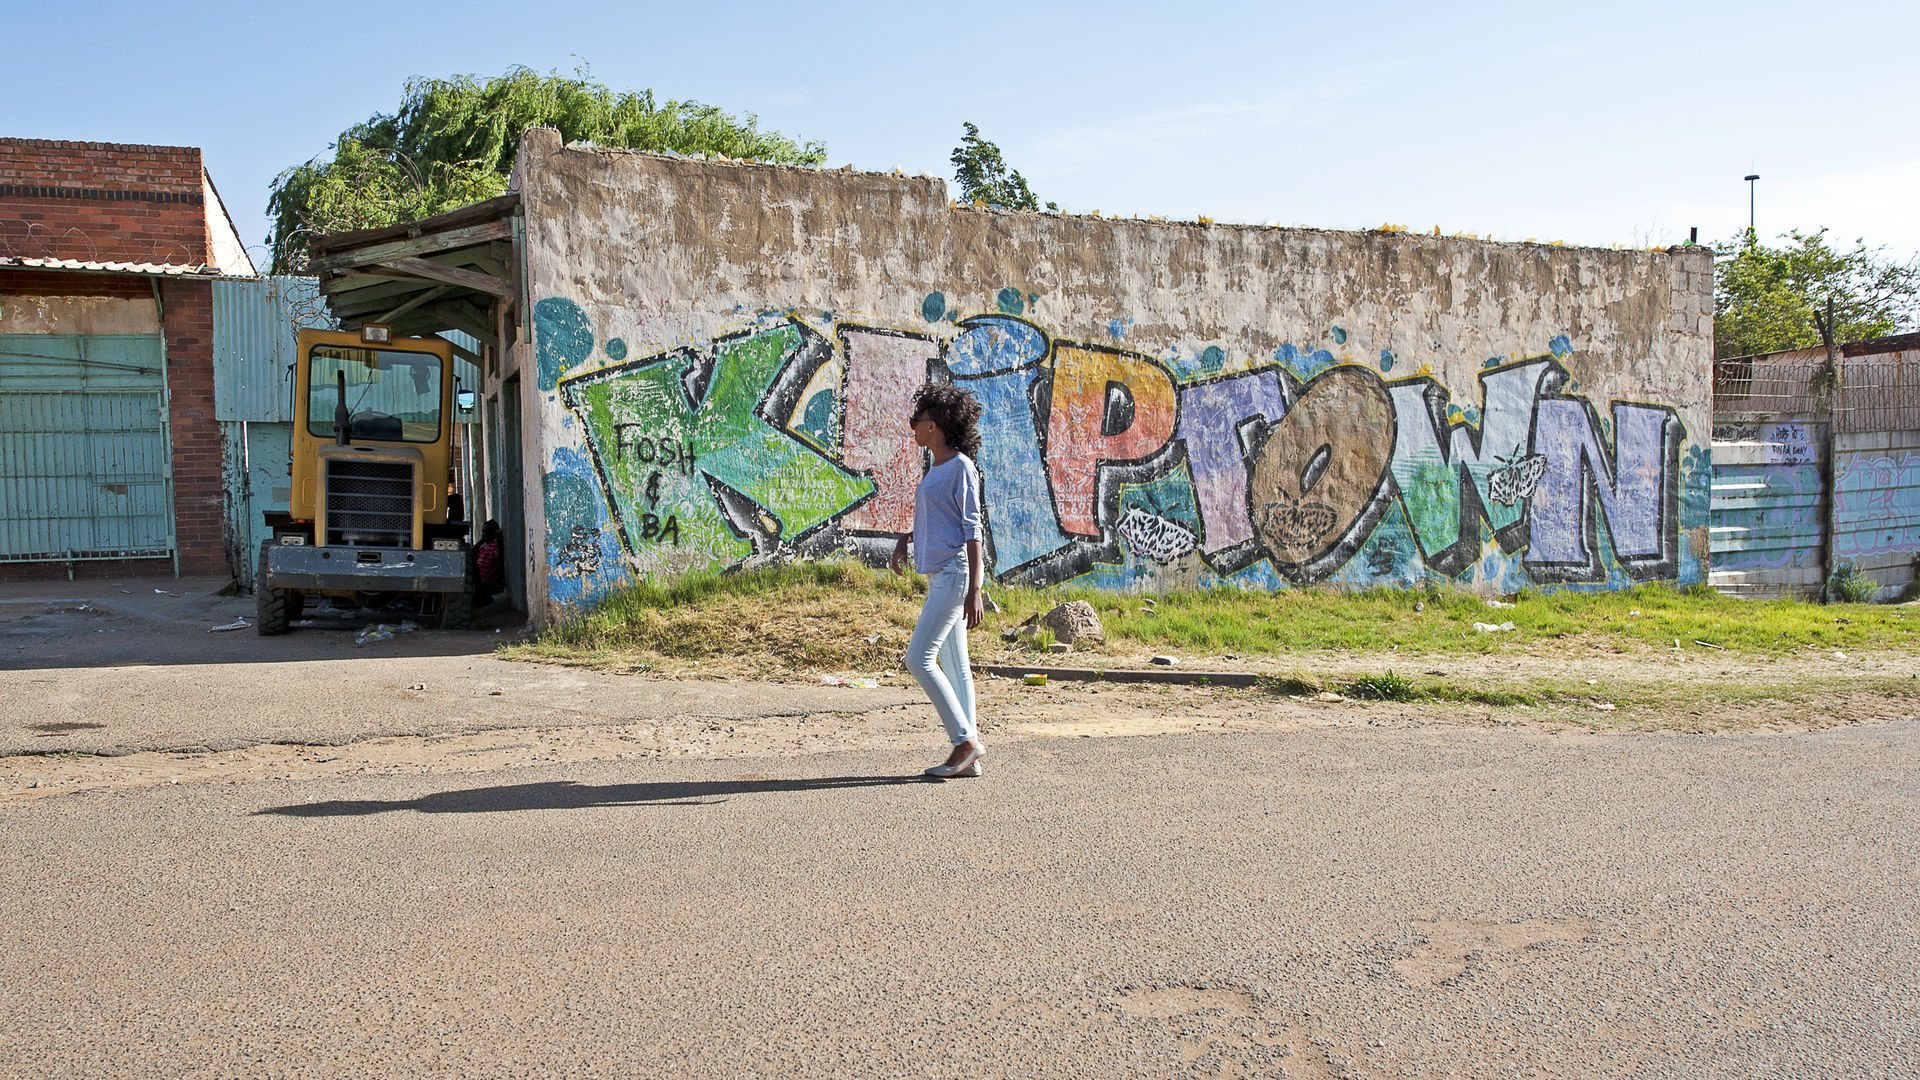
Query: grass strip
[839, 615]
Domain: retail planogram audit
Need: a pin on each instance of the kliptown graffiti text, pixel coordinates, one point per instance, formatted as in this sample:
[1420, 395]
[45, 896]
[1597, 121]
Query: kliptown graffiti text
[1103, 466]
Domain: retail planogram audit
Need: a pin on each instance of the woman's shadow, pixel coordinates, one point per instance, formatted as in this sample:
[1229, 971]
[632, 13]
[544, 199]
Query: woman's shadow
[570, 795]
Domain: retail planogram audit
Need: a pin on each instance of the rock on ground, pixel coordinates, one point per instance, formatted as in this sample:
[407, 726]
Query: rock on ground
[1075, 621]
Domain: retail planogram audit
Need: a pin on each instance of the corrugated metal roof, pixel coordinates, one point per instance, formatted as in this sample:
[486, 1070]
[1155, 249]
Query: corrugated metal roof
[82, 265]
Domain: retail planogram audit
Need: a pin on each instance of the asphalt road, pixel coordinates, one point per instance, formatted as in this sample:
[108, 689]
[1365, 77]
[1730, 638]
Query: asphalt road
[1404, 902]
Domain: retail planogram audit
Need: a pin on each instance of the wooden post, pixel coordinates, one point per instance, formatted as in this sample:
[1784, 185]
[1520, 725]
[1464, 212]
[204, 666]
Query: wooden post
[1830, 380]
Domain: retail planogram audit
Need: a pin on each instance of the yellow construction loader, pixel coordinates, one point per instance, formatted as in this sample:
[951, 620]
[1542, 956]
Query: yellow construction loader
[368, 518]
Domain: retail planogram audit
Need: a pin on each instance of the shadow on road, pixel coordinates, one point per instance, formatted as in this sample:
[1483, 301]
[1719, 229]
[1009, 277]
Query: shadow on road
[569, 795]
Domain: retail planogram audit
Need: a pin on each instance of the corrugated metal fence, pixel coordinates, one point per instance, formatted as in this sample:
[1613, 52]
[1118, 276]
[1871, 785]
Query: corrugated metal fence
[1768, 497]
[1775, 418]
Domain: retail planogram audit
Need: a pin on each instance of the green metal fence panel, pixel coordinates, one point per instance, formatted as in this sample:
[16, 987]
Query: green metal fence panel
[1765, 520]
[85, 466]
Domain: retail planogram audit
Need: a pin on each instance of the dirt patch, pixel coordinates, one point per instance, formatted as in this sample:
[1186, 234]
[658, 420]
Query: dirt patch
[1228, 1032]
[1010, 711]
[1450, 948]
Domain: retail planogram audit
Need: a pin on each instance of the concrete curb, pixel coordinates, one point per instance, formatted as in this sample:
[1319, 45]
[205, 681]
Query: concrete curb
[1125, 675]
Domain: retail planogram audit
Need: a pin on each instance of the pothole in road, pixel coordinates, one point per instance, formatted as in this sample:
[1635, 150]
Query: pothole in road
[1453, 946]
[1228, 1032]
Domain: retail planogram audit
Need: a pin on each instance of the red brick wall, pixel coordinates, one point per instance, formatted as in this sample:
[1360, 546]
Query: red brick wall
[102, 202]
[62, 283]
[113, 203]
[199, 497]
[198, 491]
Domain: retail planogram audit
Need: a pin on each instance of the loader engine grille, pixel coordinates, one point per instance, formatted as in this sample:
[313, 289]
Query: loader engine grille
[370, 503]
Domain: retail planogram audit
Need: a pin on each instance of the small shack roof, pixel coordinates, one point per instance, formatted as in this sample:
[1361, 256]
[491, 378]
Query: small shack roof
[86, 266]
[423, 277]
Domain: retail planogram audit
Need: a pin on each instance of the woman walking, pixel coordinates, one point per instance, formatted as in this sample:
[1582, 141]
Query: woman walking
[946, 548]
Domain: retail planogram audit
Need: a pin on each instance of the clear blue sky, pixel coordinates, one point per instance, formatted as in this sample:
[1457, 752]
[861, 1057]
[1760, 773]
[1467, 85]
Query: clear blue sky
[1620, 123]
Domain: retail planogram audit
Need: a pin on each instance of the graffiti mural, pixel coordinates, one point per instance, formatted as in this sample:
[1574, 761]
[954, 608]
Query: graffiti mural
[787, 437]
[1877, 506]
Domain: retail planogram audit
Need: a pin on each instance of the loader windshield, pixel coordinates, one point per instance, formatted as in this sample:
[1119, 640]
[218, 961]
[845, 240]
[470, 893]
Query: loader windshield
[391, 396]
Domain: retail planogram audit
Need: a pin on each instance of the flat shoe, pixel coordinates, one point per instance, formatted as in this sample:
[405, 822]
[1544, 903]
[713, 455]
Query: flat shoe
[959, 768]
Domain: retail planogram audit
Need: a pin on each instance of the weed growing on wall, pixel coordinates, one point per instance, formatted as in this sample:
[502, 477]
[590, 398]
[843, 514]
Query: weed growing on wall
[1849, 586]
[984, 178]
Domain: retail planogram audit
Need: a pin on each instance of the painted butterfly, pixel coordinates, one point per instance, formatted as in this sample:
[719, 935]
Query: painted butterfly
[1517, 476]
[1297, 524]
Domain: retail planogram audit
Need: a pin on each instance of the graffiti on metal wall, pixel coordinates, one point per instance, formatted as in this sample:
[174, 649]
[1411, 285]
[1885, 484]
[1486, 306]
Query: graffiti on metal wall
[1105, 466]
[1877, 506]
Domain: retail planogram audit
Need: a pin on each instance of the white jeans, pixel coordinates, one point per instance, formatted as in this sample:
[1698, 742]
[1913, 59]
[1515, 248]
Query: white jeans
[937, 655]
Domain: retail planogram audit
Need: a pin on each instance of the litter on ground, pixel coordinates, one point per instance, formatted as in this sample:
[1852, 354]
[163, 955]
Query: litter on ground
[237, 624]
[384, 631]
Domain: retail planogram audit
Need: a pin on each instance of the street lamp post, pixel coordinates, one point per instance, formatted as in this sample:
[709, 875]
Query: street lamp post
[1750, 178]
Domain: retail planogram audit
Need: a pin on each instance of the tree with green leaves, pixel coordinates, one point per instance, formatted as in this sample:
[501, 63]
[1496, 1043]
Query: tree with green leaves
[984, 179]
[1765, 298]
[452, 141]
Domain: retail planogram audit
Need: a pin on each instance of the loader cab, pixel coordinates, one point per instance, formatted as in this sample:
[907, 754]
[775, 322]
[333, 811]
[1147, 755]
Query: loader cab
[372, 439]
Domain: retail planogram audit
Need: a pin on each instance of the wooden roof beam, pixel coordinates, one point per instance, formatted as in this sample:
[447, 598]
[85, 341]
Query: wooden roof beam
[458, 316]
[466, 279]
[434, 293]
[411, 246]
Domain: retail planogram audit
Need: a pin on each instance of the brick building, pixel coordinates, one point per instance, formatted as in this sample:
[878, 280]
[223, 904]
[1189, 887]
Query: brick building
[110, 454]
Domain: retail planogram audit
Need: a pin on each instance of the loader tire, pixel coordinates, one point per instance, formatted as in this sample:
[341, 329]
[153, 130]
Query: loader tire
[273, 608]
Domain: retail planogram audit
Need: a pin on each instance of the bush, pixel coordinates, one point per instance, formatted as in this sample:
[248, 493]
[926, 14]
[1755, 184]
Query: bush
[1388, 687]
[1848, 587]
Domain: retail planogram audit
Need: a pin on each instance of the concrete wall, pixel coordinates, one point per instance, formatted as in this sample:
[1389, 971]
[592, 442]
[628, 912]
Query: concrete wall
[723, 354]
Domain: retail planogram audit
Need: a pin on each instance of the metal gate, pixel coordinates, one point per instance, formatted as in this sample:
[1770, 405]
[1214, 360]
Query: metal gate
[86, 468]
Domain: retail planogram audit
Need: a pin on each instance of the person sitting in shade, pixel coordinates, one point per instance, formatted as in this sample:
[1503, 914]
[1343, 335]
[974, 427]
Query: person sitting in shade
[489, 565]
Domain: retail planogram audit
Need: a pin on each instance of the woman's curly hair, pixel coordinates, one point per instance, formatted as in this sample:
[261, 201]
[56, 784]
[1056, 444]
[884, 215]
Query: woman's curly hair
[954, 412]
